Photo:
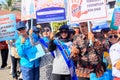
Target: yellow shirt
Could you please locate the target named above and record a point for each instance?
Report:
(107, 57)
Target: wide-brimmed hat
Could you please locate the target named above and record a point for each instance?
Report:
(64, 27)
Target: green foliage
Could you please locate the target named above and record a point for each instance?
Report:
(56, 25)
(9, 5)
(18, 0)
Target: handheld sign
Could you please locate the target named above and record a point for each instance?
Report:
(27, 9)
(40, 52)
(87, 10)
(50, 10)
(115, 23)
(8, 27)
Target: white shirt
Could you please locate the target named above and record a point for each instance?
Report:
(59, 64)
(115, 56)
(110, 1)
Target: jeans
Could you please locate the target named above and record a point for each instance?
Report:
(61, 77)
(30, 73)
(14, 61)
(4, 56)
(82, 78)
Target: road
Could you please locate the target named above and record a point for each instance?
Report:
(5, 73)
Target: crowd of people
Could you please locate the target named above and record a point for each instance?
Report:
(66, 53)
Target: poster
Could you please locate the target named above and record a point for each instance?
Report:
(115, 23)
(27, 9)
(50, 10)
(8, 27)
(40, 52)
(87, 10)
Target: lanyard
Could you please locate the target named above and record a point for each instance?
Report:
(44, 42)
(65, 52)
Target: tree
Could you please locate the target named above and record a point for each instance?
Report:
(9, 5)
(18, 0)
(56, 25)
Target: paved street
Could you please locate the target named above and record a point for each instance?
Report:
(5, 73)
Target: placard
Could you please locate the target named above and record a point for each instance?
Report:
(87, 10)
(8, 27)
(40, 52)
(50, 10)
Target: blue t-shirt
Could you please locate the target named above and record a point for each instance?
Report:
(23, 51)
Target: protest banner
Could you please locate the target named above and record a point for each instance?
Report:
(27, 9)
(50, 10)
(87, 10)
(115, 23)
(8, 27)
(115, 19)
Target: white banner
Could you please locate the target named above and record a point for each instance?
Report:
(27, 9)
(87, 10)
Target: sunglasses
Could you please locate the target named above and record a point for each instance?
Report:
(63, 31)
(45, 30)
(82, 26)
(113, 36)
(20, 29)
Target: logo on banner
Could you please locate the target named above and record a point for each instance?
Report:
(76, 8)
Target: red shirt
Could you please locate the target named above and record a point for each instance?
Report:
(3, 45)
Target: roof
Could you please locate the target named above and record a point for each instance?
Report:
(17, 13)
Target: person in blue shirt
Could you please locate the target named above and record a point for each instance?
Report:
(34, 35)
(30, 69)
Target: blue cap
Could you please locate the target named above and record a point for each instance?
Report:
(105, 29)
(20, 25)
(36, 29)
(72, 31)
(64, 27)
(76, 25)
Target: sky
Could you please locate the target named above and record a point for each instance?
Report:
(2, 1)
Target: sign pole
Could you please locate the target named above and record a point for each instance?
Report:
(32, 23)
(89, 30)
